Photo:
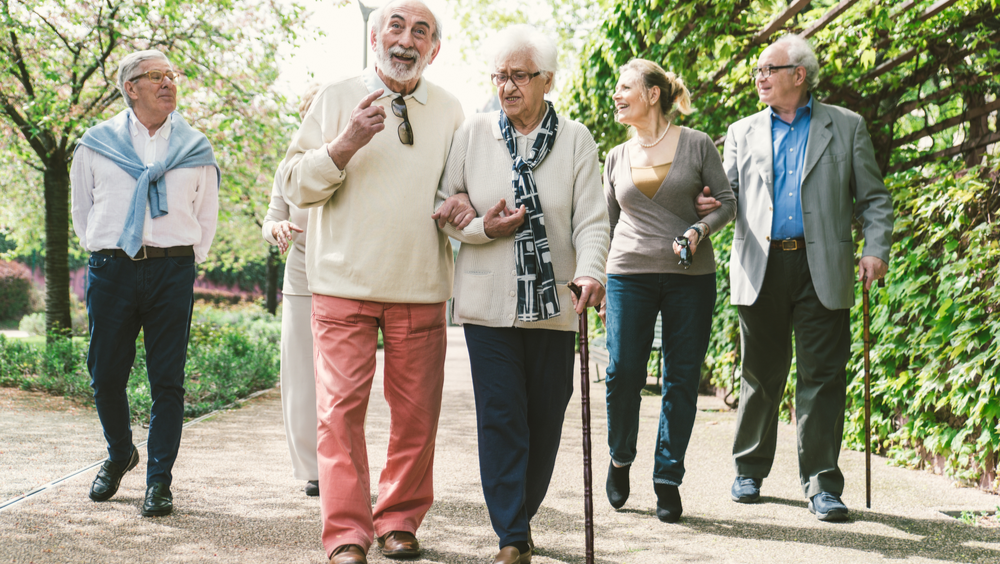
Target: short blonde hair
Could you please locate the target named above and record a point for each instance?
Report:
(307, 99)
(674, 95)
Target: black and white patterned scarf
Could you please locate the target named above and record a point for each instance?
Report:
(536, 282)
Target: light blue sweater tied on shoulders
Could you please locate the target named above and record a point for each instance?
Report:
(188, 148)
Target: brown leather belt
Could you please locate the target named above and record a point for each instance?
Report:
(789, 245)
(151, 252)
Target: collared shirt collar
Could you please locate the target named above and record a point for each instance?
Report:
(136, 127)
(373, 83)
(798, 113)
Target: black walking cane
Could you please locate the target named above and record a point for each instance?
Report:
(868, 395)
(588, 496)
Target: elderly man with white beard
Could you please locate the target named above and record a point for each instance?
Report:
(376, 259)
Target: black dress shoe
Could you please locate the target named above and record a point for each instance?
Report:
(110, 476)
(668, 503)
(159, 500)
(617, 486)
(312, 488)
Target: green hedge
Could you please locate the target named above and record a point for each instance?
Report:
(935, 328)
(15, 290)
(232, 353)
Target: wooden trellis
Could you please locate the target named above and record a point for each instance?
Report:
(908, 93)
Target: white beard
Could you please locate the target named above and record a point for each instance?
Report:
(400, 72)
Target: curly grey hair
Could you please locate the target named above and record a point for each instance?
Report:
(129, 66)
(801, 54)
(523, 38)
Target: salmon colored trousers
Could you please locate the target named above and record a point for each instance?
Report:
(345, 338)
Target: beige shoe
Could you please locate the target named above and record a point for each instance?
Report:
(510, 555)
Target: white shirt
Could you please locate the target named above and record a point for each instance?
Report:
(102, 191)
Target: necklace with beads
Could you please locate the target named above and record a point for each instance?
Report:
(654, 143)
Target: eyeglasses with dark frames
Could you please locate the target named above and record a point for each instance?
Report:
(405, 130)
(156, 76)
(765, 72)
(520, 78)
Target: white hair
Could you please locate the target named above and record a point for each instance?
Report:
(379, 14)
(129, 66)
(801, 54)
(526, 39)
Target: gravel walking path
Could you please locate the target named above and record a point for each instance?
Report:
(236, 501)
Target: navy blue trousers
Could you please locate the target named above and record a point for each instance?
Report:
(523, 381)
(124, 296)
(686, 304)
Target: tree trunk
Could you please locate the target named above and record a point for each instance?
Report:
(273, 263)
(58, 323)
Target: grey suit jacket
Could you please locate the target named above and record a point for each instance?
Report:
(840, 181)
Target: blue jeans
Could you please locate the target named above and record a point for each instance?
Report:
(124, 296)
(634, 301)
(523, 380)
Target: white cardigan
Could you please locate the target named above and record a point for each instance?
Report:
(576, 220)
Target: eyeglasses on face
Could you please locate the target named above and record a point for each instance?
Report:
(764, 72)
(156, 76)
(404, 131)
(520, 78)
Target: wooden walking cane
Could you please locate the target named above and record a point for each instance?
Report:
(588, 495)
(868, 395)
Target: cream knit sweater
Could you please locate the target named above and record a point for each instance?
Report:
(576, 220)
(370, 233)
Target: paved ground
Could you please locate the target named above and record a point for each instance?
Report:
(236, 500)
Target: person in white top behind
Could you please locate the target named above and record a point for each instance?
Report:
(145, 199)
(285, 226)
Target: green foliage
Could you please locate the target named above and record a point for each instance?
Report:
(916, 77)
(936, 386)
(231, 354)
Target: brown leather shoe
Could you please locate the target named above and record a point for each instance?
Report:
(399, 544)
(510, 555)
(349, 554)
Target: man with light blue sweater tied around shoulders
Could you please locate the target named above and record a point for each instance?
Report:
(145, 204)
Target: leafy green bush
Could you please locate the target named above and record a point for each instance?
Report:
(15, 290)
(231, 354)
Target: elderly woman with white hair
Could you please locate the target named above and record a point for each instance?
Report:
(511, 277)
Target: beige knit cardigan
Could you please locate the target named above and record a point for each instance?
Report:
(576, 220)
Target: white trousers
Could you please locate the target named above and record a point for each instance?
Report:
(298, 385)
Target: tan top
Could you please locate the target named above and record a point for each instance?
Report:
(576, 220)
(649, 178)
(371, 236)
(280, 210)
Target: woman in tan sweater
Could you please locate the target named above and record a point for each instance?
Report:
(536, 176)
(650, 183)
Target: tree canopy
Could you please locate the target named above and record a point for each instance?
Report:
(58, 78)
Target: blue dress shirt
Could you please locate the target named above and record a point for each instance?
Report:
(789, 158)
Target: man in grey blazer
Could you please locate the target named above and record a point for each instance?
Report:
(801, 171)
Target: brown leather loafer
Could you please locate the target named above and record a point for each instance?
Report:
(348, 554)
(510, 555)
(399, 544)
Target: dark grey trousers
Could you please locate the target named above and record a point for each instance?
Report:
(788, 301)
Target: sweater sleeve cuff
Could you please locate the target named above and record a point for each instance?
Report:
(320, 165)
(267, 231)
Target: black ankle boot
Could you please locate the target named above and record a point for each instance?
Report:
(617, 486)
(668, 503)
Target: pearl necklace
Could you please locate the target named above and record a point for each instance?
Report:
(654, 143)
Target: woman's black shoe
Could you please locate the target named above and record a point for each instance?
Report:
(617, 486)
(668, 503)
